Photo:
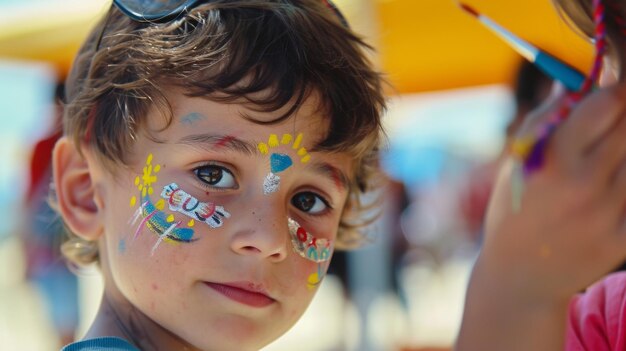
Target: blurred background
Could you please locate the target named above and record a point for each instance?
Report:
(456, 91)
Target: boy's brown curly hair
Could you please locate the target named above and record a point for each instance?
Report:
(227, 51)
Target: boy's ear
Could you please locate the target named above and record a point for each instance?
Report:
(75, 192)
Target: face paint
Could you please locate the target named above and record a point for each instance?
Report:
(337, 179)
(308, 246)
(152, 216)
(271, 183)
(223, 141)
(121, 246)
(280, 162)
(145, 181)
(156, 221)
(180, 201)
(163, 236)
(315, 279)
(191, 118)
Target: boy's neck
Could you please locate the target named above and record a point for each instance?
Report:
(117, 317)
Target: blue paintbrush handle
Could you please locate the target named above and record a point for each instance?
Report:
(569, 76)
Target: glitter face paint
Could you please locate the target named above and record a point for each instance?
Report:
(312, 249)
(180, 201)
(308, 246)
(271, 183)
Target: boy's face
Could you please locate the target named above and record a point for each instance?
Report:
(196, 233)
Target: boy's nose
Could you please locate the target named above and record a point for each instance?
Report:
(262, 236)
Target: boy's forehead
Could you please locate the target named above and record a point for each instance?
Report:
(205, 125)
(199, 115)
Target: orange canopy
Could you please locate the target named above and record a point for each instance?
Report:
(433, 44)
(422, 44)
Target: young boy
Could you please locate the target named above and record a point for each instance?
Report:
(215, 153)
(213, 159)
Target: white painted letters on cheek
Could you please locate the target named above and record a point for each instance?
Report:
(188, 205)
(164, 225)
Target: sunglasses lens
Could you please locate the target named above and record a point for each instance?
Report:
(151, 9)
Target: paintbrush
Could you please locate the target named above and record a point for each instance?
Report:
(553, 67)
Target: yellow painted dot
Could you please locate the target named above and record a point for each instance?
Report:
(286, 139)
(137, 180)
(149, 159)
(313, 281)
(170, 218)
(133, 201)
(305, 159)
(263, 148)
(273, 140)
(302, 151)
(157, 168)
(150, 191)
(191, 223)
(160, 205)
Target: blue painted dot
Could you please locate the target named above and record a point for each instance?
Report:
(121, 246)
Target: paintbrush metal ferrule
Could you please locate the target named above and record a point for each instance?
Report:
(524, 48)
(553, 67)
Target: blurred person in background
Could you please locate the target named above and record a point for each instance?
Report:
(42, 234)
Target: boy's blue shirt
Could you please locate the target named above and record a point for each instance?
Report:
(107, 343)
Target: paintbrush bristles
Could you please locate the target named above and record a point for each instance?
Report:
(469, 9)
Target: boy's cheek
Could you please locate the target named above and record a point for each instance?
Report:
(149, 204)
(306, 276)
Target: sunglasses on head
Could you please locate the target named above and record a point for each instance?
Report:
(161, 11)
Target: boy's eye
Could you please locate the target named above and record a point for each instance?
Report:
(216, 176)
(309, 202)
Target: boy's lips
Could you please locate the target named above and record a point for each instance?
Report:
(247, 293)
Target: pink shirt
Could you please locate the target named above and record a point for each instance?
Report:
(597, 319)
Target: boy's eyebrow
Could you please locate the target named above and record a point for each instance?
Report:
(333, 173)
(212, 141)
